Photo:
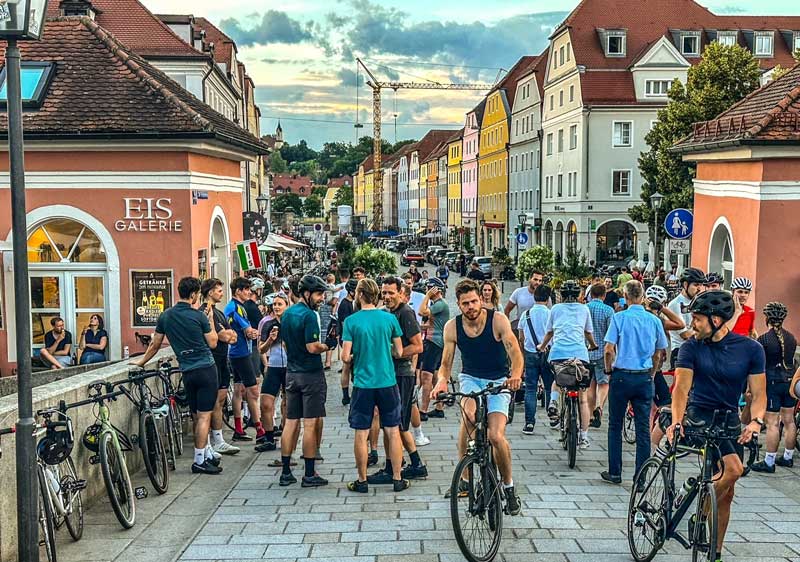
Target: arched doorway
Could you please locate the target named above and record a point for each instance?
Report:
(572, 236)
(720, 251)
(616, 242)
(548, 234)
(559, 242)
(220, 264)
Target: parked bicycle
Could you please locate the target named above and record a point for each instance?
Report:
(176, 411)
(152, 410)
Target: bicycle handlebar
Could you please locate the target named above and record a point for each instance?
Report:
(7, 430)
(490, 389)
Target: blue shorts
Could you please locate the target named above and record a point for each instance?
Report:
(498, 403)
(365, 400)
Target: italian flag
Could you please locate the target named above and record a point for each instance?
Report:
(249, 258)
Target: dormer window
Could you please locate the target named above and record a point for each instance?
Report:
(690, 44)
(727, 38)
(796, 41)
(35, 78)
(615, 44)
(71, 8)
(763, 43)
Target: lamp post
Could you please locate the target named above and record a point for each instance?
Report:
(20, 21)
(483, 235)
(655, 202)
(261, 204)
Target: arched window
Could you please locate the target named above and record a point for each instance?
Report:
(64, 241)
(720, 252)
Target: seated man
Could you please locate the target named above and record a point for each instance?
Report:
(57, 350)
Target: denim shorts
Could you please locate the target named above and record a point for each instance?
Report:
(598, 367)
(498, 403)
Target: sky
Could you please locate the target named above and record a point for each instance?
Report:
(302, 55)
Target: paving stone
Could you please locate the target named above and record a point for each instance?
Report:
(287, 550)
(389, 547)
(222, 552)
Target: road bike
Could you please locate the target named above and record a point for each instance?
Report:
(657, 506)
(477, 500)
(176, 412)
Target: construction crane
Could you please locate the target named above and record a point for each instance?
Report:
(377, 86)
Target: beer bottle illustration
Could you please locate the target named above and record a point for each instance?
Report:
(153, 300)
(144, 299)
(160, 301)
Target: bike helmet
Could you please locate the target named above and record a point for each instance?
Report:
(570, 290)
(775, 312)
(256, 284)
(91, 437)
(435, 282)
(714, 277)
(351, 286)
(313, 284)
(693, 275)
(742, 283)
(56, 445)
(713, 303)
(656, 293)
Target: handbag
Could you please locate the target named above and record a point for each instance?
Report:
(541, 356)
(570, 373)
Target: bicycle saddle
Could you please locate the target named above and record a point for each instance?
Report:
(694, 424)
(97, 384)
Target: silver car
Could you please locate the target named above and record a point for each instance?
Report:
(485, 263)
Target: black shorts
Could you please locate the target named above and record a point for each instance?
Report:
(223, 371)
(243, 372)
(258, 365)
(406, 386)
(726, 447)
(778, 396)
(431, 358)
(673, 357)
(365, 400)
(305, 395)
(274, 380)
(661, 394)
(201, 388)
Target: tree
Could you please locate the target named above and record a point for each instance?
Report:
(277, 164)
(574, 265)
(400, 144)
(288, 201)
(345, 251)
(344, 196)
(313, 206)
(724, 76)
(374, 261)
(538, 258)
(299, 152)
(320, 191)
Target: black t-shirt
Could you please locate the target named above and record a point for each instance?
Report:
(254, 315)
(300, 326)
(50, 339)
(94, 338)
(410, 328)
(612, 299)
(720, 369)
(186, 328)
(221, 351)
(345, 309)
(776, 361)
(475, 274)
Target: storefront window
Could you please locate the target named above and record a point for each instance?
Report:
(616, 241)
(64, 240)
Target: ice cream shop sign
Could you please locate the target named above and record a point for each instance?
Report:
(148, 214)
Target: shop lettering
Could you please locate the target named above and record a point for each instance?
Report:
(148, 214)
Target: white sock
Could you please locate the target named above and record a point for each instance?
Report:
(788, 454)
(769, 458)
(584, 435)
(216, 437)
(554, 396)
(199, 456)
(209, 451)
(509, 485)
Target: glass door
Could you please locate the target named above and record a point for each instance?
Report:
(47, 302)
(89, 292)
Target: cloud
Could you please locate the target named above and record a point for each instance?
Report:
(349, 77)
(730, 9)
(275, 27)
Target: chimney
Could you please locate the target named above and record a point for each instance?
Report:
(78, 8)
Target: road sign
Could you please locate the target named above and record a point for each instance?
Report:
(679, 247)
(318, 226)
(679, 223)
(522, 238)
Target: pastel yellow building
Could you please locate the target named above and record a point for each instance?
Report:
(454, 156)
(423, 195)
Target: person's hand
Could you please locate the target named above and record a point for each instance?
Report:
(513, 384)
(432, 292)
(137, 362)
(593, 347)
(671, 432)
(251, 333)
(540, 348)
(752, 428)
(331, 341)
(440, 387)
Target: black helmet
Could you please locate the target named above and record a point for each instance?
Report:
(713, 303)
(714, 277)
(775, 312)
(570, 290)
(91, 437)
(435, 282)
(693, 275)
(56, 445)
(313, 284)
(351, 285)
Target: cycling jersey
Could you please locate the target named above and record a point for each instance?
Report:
(236, 314)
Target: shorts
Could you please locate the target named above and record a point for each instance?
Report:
(727, 446)
(223, 371)
(274, 380)
(673, 357)
(661, 394)
(305, 395)
(778, 396)
(201, 388)
(598, 369)
(498, 403)
(365, 400)
(243, 372)
(406, 386)
(258, 365)
(431, 357)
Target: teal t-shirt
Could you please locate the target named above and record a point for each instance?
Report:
(440, 313)
(371, 333)
(299, 326)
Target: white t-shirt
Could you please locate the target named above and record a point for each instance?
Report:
(539, 315)
(675, 306)
(568, 321)
(523, 298)
(414, 302)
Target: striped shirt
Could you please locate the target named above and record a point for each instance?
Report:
(601, 320)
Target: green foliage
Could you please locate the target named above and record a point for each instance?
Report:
(468, 246)
(344, 196)
(312, 206)
(299, 152)
(277, 164)
(574, 265)
(345, 251)
(320, 191)
(724, 76)
(375, 261)
(288, 201)
(537, 258)
(400, 144)
(308, 168)
(500, 256)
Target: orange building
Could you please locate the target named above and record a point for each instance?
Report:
(132, 183)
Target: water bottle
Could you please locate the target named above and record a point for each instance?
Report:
(126, 352)
(685, 489)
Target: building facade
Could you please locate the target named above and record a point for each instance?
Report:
(469, 173)
(454, 221)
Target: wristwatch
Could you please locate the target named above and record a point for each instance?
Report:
(760, 422)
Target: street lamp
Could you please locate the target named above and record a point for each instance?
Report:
(655, 202)
(261, 204)
(482, 222)
(21, 21)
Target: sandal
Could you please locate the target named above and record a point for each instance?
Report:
(360, 487)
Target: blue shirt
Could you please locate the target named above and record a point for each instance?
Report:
(568, 321)
(601, 319)
(637, 335)
(371, 332)
(538, 315)
(236, 314)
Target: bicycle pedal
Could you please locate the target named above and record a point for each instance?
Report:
(78, 484)
(140, 492)
(94, 459)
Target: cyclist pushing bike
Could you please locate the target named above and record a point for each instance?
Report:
(711, 369)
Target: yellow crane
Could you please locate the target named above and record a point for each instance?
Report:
(377, 86)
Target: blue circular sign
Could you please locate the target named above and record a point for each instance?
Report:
(679, 223)
(522, 238)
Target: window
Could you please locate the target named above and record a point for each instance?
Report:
(561, 55)
(516, 126)
(690, 44)
(573, 137)
(560, 188)
(538, 156)
(657, 87)
(796, 42)
(621, 182)
(561, 140)
(561, 98)
(764, 44)
(569, 46)
(615, 45)
(552, 97)
(549, 144)
(572, 93)
(622, 133)
(727, 38)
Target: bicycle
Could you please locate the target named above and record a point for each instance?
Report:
(173, 421)
(629, 426)
(656, 508)
(480, 498)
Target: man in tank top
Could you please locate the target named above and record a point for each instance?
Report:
(487, 345)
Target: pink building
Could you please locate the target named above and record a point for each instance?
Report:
(469, 172)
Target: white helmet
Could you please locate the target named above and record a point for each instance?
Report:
(257, 283)
(656, 293)
(742, 283)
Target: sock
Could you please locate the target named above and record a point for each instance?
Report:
(554, 396)
(415, 460)
(259, 430)
(346, 392)
(270, 436)
(584, 434)
(769, 458)
(209, 452)
(417, 431)
(287, 469)
(788, 454)
(199, 456)
(309, 467)
(216, 437)
(237, 425)
(388, 467)
(509, 485)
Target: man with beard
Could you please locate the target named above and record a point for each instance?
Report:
(522, 298)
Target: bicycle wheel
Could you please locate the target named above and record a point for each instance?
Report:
(117, 481)
(73, 501)
(629, 428)
(704, 541)
(572, 432)
(562, 421)
(227, 409)
(177, 426)
(646, 511)
(477, 515)
(155, 459)
(168, 435)
(47, 527)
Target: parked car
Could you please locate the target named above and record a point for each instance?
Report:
(413, 256)
(450, 259)
(485, 263)
(429, 253)
(391, 246)
(438, 255)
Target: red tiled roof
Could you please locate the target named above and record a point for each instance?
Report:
(367, 163)
(224, 47)
(292, 183)
(137, 28)
(509, 81)
(340, 182)
(100, 87)
(770, 114)
(431, 141)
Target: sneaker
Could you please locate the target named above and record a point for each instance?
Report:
(584, 443)
(528, 429)
(226, 449)
(762, 466)
(513, 505)
(372, 459)
(781, 461)
(414, 472)
(552, 410)
(610, 478)
(278, 431)
(313, 481)
(216, 461)
(421, 440)
(381, 477)
(436, 414)
(205, 468)
(463, 489)
(554, 423)
(423, 416)
(241, 436)
(400, 485)
(287, 479)
(265, 446)
(596, 418)
(215, 454)
(358, 486)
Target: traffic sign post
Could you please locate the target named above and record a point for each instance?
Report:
(679, 224)
(680, 247)
(522, 239)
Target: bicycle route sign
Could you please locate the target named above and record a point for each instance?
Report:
(522, 238)
(679, 223)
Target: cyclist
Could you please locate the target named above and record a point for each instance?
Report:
(435, 307)
(532, 325)
(692, 282)
(275, 378)
(569, 327)
(744, 318)
(192, 339)
(601, 315)
(779, 348)
(487, 345)
(714, 281)
(711, 369)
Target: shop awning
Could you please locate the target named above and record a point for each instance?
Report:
(273, 244)
(494, 225)
(286, 241)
